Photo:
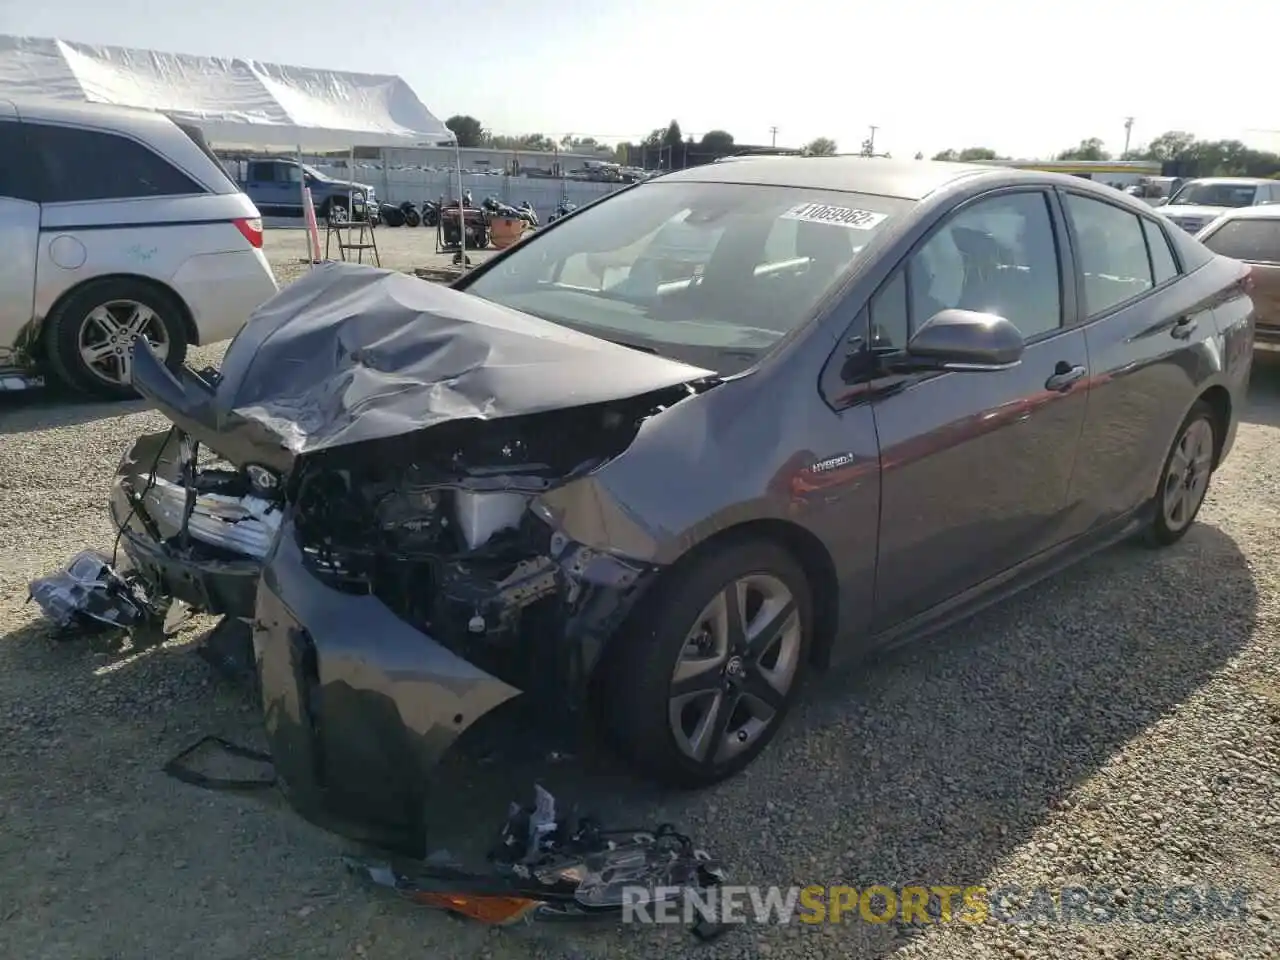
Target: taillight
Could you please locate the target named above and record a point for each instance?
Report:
(251, 229)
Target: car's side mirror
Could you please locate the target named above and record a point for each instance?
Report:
(965, 341)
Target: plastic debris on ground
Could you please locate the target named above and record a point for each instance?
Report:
(549, 868)
(91, 595)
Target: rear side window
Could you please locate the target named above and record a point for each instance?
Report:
(82, 165)
(1112, 253)
(1257, 240)
(1163, 266)
(19, 172)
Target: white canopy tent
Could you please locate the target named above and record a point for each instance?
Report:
(238, 104)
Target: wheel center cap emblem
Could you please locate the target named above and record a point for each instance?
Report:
(734, 667)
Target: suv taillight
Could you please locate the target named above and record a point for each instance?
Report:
(251, 230)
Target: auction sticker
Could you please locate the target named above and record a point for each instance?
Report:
(835, 216)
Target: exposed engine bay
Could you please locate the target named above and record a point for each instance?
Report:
(438, 527)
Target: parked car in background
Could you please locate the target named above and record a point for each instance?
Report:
(1155, 191)
(116, 225)
(275, 186)
(649, 464)
(1197, 202)
(1252, 235)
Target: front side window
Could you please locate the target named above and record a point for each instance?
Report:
(996, 256)
(1112, 253)
(1257, 240)
(707, 269)
(82, 165)
(1215, 195)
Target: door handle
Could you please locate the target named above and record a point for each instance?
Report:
(1064, 377)
(1184, 328)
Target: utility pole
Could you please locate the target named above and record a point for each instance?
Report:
(773, 136)
(869, 144)
(1128, 130)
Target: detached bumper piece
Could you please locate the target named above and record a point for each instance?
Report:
(550, 870)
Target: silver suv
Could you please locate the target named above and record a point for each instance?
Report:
(116, 224)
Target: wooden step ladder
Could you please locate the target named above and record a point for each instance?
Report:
(346, 238)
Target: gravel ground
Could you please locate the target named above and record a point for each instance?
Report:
(1117, 727)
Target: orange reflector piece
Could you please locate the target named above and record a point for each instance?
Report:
(497, 910)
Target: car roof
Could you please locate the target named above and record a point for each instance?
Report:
(1243, 181)
(876, 176)
(132, 119)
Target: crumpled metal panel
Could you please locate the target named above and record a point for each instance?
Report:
(352, 353)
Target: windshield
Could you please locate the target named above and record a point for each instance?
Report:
(713, 274)
(1210, 194)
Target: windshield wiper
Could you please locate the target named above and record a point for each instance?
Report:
(633, 346)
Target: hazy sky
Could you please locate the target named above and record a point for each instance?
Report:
(1024, 78)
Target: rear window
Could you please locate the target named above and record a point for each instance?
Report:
(1203, 194)
(1247, 239)
(196, 135)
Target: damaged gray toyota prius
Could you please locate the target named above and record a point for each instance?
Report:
(658, 458)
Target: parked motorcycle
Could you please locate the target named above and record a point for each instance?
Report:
(499, 209)
(391, 215)
(430, 213)
(562, 210)
(410, 213)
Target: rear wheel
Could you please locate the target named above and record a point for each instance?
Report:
(92, 334)
(701, 681)
(1185, 479)
(412, 218)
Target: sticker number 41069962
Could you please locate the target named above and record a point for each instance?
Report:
(835, 216)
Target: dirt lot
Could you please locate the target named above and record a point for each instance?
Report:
(1118, 727)
(399, 248)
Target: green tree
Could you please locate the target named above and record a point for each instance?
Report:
(1090, 149)
(467, 129)
(719, 142)
(977, 154)
(821, 147)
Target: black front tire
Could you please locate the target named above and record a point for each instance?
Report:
(635, 692)
(62, 333)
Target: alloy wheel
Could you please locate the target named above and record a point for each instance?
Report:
(735, 669)
(1187, 479)
(108, 335)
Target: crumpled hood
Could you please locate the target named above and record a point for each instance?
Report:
(351, 353)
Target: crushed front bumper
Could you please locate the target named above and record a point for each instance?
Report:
(359, 706)
(206, 580)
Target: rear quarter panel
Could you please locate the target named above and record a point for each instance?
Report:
(189, 244)
(1143, 382)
